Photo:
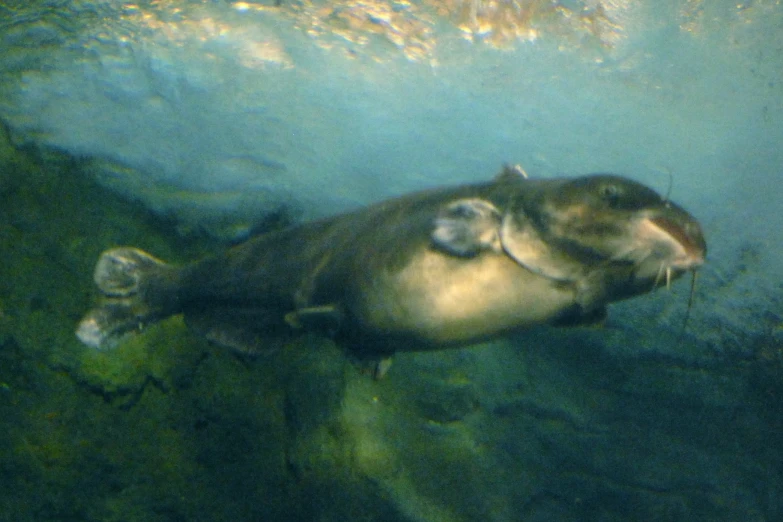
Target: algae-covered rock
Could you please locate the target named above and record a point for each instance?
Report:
(165, 356)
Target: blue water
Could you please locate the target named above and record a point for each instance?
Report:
(217, 114)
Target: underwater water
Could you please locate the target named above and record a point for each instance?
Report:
(181, 126)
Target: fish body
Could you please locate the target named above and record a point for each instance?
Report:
(434, 269)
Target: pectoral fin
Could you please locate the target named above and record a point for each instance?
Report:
(467, 226)
(326, 318)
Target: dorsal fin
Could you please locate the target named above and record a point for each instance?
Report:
(511, 173)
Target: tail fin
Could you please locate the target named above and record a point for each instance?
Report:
(130, 281)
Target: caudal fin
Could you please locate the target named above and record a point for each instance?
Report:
(131, 282)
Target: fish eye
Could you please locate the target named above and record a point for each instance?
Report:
(611, 194)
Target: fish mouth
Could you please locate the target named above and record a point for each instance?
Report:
(686, 244)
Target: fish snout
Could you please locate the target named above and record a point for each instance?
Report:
(688, 248)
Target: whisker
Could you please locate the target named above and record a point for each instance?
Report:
(668, 278)
(690, 302)
(659, 276)
(669, 188)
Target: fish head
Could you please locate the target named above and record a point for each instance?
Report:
(602, 222)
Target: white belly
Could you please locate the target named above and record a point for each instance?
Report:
(444, 299)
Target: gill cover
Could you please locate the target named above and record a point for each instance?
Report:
(523, 243)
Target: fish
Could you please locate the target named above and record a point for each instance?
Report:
(435, 269)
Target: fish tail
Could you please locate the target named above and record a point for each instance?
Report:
(136, 290)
